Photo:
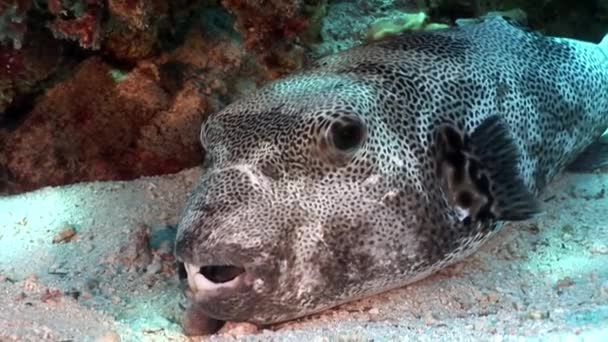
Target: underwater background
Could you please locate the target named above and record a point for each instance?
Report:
(101, 104)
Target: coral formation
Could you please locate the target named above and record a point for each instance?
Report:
(351, 23)
(134, 27)
(390, 26)
(84, 27)
(270, 29)
(22, 69)
(125, 43)
(401, 22)
(104, 123)
(82, 129)
(13, 16)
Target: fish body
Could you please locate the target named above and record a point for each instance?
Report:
(382, 164)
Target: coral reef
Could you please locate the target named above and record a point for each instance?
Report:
(401, 22)
(271, 29)
(125, 43)
(21, 70)
(134, 28)
(390, 26)
(351, 23)
(91, 22)
(82, 128)
(103, 123)
(84, 24)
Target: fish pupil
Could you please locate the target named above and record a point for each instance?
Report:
(347, 136)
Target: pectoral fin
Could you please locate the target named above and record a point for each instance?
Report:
(480, 175)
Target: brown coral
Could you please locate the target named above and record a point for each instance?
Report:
(86, 29)
(135, 28)
(86, 125)
(134, 13)
(22, 69)
(269, 29)
(10, 64)
(94, 126)
(106, 124)
(173, 130)
(125, 43)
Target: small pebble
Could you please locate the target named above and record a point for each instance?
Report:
(155, 266)
(57, 270)
(92, 284)
(513, 250)
(563, 283)
(85, 295)
(538, 315)
(428, 318)
(599, 248)
(66, 234)
(492, 297)
(374, 311)
(30, 283)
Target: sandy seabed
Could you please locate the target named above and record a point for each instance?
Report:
(542, 280)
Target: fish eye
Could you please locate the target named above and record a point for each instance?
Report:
(347, 134)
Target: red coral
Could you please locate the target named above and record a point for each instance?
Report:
(86, 29)
(269, 29)
(294, 27)
(136, 13)
(54, 6)
(22, 69)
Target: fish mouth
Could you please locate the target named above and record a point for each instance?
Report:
(222, 292)
(214, 278)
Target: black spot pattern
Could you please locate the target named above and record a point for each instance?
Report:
(317, 225)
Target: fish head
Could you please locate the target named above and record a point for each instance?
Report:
(299, 207)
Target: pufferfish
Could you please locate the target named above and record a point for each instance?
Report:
(382, 164)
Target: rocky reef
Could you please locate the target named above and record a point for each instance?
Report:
(117, 89)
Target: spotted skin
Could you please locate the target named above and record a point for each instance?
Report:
(316, 226)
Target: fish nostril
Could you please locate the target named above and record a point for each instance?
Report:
(221, 273)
